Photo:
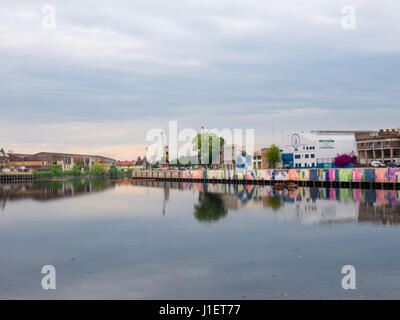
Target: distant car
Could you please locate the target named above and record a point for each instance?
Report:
(377, 164)
(393, 164)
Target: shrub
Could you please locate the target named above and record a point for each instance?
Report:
(344, 159)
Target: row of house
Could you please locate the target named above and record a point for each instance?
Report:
(134, 164)
(319, 148)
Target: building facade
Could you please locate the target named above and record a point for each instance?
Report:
(4, 159)
(383, 145)
(317, 149)
(257, 160)
(44, 160)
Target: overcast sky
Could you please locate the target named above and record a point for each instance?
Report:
(111, 70)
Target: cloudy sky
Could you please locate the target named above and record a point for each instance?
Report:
(112, 70)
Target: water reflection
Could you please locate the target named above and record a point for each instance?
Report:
(49, 190)
(211, 207)
(214, 201)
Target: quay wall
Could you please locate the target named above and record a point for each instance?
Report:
(13, 176)
(359, 176)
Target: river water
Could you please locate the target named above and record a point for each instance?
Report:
(159, 240)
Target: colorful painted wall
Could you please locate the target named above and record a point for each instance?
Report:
(339, 175)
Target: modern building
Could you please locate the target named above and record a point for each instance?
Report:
(317, 148)
(383, 145)
(43, 160)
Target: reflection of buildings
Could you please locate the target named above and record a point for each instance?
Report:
(305, 205)
(386, 214)
(165, 199)
(44, 191)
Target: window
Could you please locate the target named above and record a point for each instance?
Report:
(297, 156)
(312, 164)
(296, 149)
(312, 156)
(306, 156)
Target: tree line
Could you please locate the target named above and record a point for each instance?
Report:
(96, 171)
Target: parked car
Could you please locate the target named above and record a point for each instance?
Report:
(393, 164)
(377, 164)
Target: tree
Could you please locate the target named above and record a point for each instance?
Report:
(76, 170)
(211, 208)
(55, 170)
(79, 165)
(273, 156)
(274, 203)
(212, 154)
(113, 172)
(97, 170)
(344, 160)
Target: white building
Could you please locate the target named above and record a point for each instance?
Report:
(317, 148)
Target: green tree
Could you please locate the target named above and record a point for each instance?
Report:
(274, 203)
(86, 170)
(213, 153)
(76, 170)
(113, 173)
(98, 170)
(155, 165)
(55, 170)
(79, 165)
(211, 208)
(273, 156)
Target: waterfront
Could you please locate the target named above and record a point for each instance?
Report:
(162, 240)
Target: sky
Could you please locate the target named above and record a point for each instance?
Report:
(111, 71)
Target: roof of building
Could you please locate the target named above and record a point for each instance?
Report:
(125, 163)
(20, 155)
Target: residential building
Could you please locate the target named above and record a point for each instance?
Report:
(317, 148)
(260, 160)
(383, 145)
(264, 160)
(141, 162)
(124, 165)
(257, 160)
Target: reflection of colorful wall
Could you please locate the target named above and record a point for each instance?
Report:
(382, 197)
(339, 175)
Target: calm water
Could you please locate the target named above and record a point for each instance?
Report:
(151, 240)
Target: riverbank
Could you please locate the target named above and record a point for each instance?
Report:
(363, 178)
